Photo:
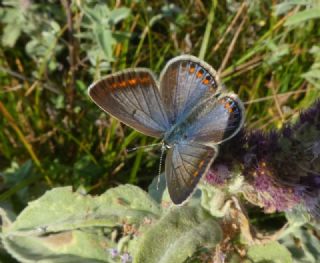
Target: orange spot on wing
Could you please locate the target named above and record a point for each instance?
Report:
(201, 164)
(191, 69)
(205, 82)
(196, 173)
(132, 82)
(145, 80)
(199, 74)
(122, 84)
(228, 107)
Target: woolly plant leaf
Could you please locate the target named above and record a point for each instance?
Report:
(105, 40)
(61, 209)
(69, 246)
(177, 236)
(304, 245)
(272, 252)
(297, 216)
(302, 16)
(67, 226)
(118, 14)
(214, 200)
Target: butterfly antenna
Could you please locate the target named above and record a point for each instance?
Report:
(163, 148)
(150, 146)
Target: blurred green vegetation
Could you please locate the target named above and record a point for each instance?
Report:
(51, 134)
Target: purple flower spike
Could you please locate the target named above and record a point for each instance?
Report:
(287, 131)
(272, 195)
(218, 175)
(281, 168)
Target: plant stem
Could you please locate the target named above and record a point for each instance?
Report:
(204, 45)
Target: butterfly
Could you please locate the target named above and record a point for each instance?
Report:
(188, 109)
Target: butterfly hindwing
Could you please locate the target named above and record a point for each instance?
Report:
(132, 96)
(185, 165)
(216, 119)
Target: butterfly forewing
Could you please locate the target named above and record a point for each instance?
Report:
(184, 82)
(132, 96)
(216, 119)
(185, 165)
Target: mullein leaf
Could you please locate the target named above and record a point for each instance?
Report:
(67, 226)
(177, 235)
(62, 209)
(272, 252)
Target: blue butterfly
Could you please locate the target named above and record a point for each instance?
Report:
(189, 110)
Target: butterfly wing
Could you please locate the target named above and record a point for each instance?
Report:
(193, 97)
(132, 96)
(184, 82)
(216, 119)
(185, 165)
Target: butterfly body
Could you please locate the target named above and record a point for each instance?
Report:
(184, 128)
(191, 113)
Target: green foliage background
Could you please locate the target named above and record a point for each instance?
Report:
(51, 134)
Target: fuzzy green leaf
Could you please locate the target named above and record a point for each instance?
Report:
(214, 200)
(298, 216)
(177, 235)
(304, 245)
(10, 35)
(303, 16)
(67, 226)
(119, 14)
(105, 40)
(285, 6)
(69, 246)
(272, 252)
(61, 209)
